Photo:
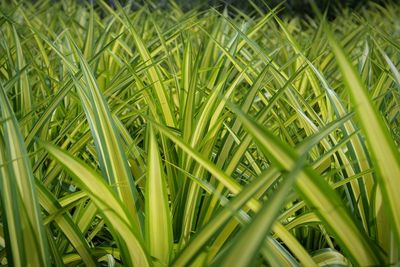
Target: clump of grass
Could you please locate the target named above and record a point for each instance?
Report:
(157, 138)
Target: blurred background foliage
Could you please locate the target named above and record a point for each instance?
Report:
(289, 7)
(299, 8)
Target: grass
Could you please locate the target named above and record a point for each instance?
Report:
(154, 137)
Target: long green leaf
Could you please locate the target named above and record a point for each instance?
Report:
(27, 242)
(158, 215)
(386, 156)
(318, 194)
(110, 206)
(112, 158)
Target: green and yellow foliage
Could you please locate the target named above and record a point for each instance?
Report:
(157, 137)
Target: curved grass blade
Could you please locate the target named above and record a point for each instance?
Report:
(318, 194)
(66, 224)
(118, 218)
(112, 158)
(385, 154)
(27, 242)
(249, 241)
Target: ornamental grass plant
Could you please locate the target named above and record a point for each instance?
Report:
(157, 137)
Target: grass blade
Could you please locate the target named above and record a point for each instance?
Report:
(112, 158)
(385, 154)
(23, 219)
(318, 194)
(111, 208)
(158, 214)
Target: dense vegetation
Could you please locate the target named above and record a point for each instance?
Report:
(142, 137)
